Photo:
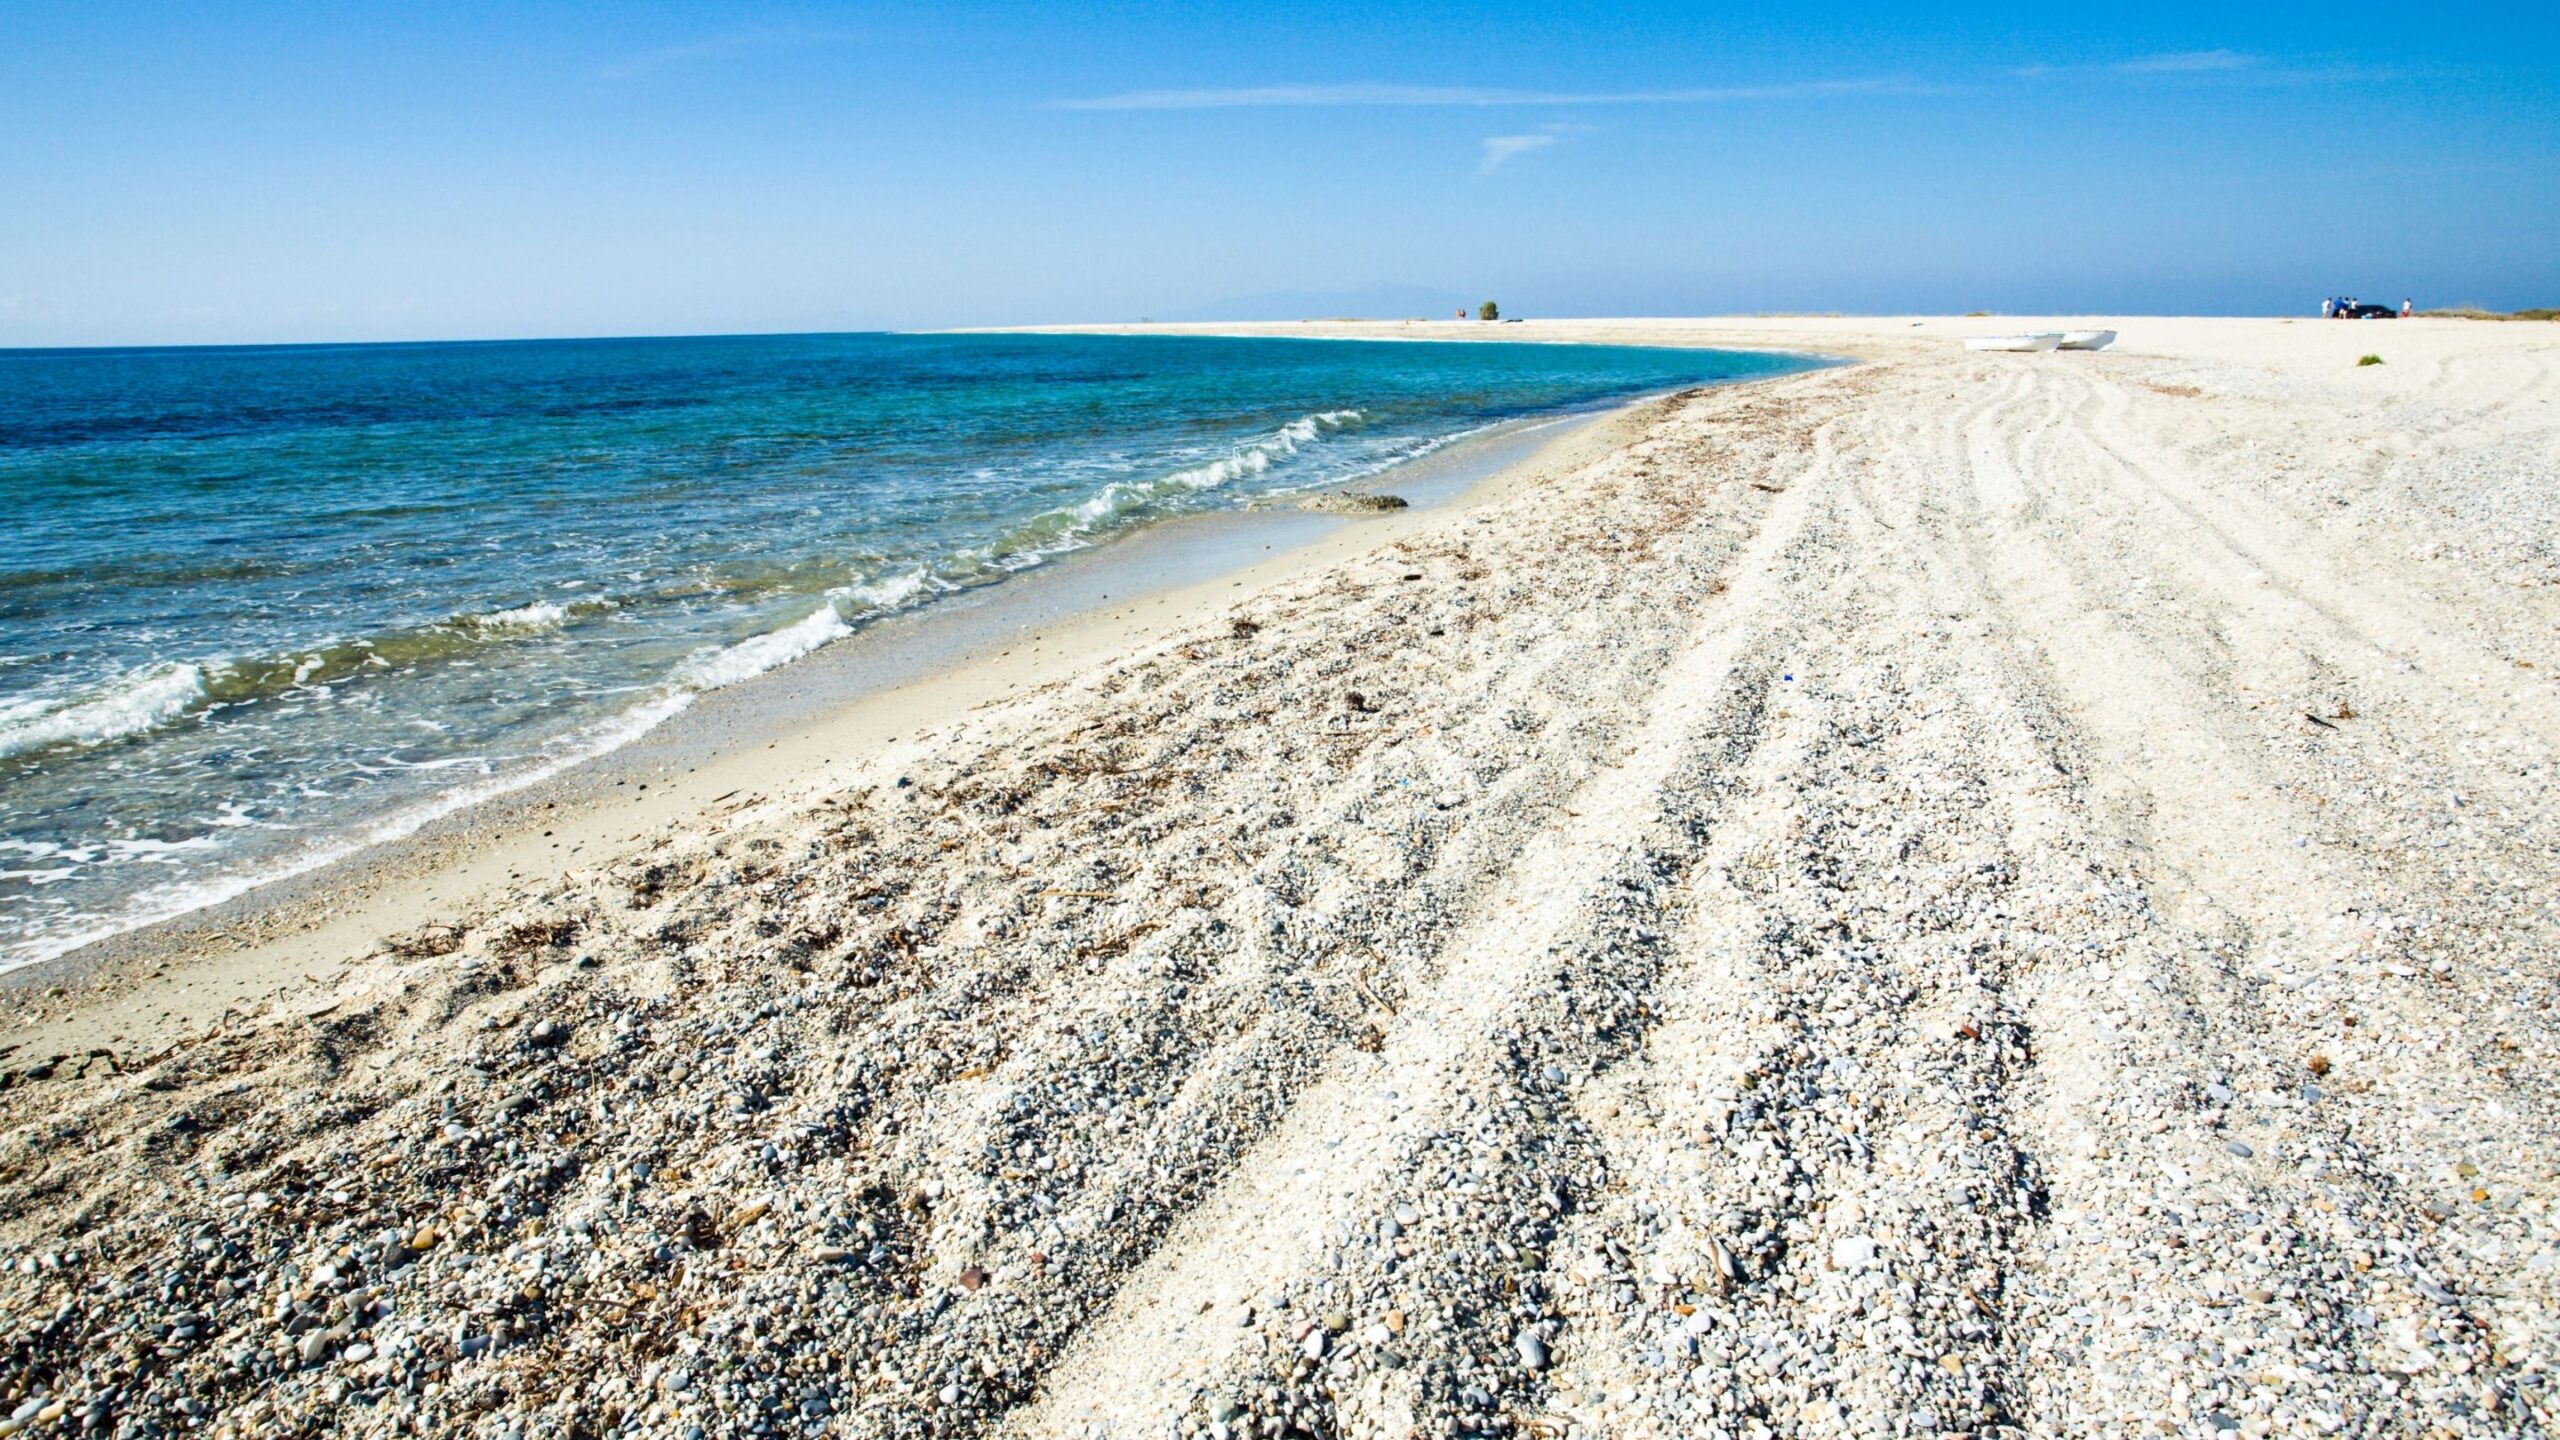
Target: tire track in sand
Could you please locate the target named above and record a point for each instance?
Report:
(1152, 1353)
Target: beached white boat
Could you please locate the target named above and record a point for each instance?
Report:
(2044, 340)
(2087, 339)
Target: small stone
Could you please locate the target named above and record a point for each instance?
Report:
(2240, 1149)
(1314, 1345)
(1853, 1253)
(1533, 1350)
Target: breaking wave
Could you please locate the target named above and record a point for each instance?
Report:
(757, 654)
(1074, 526)
(137, 701)
(896, 592)
(540, 615)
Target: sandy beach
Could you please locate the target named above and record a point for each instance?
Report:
(1956, 894)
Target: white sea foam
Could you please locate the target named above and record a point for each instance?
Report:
(756, 655)
(707, 671)
(540, 615)
(163, 902)
(138, 700)
(1254, 457)
(892, 592)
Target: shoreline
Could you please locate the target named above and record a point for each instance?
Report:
(895, 680)
(89, 904)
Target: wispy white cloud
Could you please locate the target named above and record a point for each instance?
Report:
(1371, 96)
(1498, 148)
(716, 47)
(2230, 66)
(1346, 96)
(2186, 62)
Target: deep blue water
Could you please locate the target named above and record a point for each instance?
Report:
(258, 604)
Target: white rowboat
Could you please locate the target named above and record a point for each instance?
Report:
(2088, 339)
(2048, 340)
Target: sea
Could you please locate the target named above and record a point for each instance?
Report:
(262, 606)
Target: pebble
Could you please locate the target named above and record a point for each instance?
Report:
(1853, 1252)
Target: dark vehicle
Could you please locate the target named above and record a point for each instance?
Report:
(2353, 309)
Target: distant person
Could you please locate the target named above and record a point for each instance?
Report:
(2329, 308)
(2408, 308)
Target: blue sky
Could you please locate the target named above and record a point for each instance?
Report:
(250, 172)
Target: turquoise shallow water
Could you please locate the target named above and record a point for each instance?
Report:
(260, 605)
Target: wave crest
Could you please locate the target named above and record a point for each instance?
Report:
(1070, 527)
(138, 700)
(758, 653)
(540, 615)
(896, 592)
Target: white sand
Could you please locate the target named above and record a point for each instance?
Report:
(1959, 893)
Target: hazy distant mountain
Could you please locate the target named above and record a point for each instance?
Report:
(1377, 302)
